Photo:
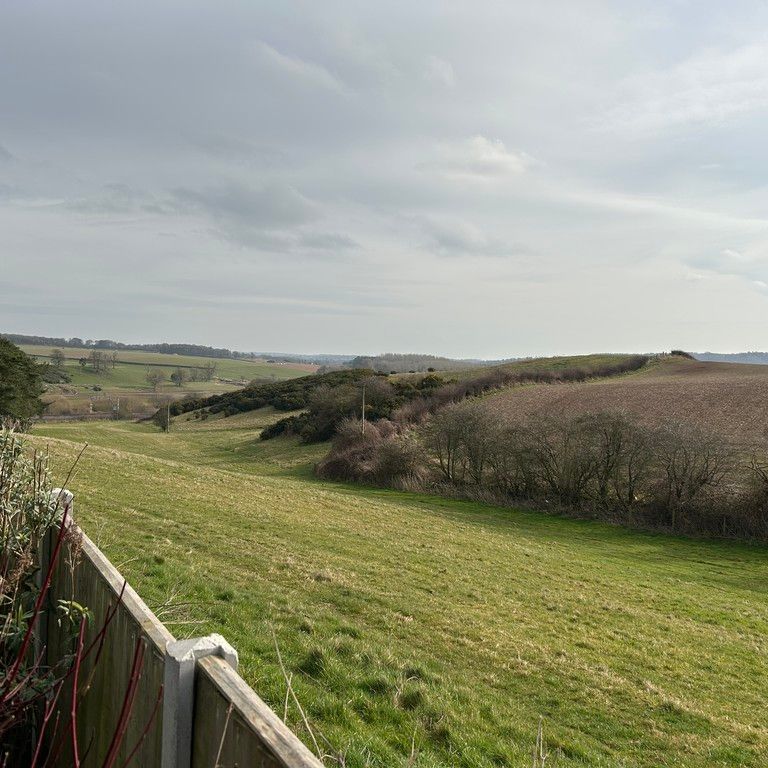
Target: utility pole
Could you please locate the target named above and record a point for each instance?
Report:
(362, 428)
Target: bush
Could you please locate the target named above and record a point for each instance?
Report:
(26, 516)
(20, 383)
(401, 462)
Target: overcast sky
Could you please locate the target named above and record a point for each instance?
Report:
(479, 179)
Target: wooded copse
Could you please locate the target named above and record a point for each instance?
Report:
(21, 383)
(602, 465)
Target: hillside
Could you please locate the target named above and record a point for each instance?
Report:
(730, 398)
(419, 364)
(413, 363)
(427, 631)
(90, 391)
(132, 365)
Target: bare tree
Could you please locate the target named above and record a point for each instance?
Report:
(690, 462)
(154, 377)
(97, 360)
(209, 370)
(178, 377)
(57, 358)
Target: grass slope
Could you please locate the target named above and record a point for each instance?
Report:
(428, 632)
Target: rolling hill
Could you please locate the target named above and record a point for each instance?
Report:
(728, 398)
(88, 392)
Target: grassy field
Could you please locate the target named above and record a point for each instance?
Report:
(729, 398)
(427, 632)
(131, 368)
(128, 378)
(559, 363)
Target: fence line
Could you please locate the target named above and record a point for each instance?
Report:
(207, 712)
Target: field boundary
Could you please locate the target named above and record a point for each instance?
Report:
(190, 706)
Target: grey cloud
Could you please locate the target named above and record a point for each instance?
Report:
(478, 157)
(232, 148)
(328, 241)
(260, 217)
(273, 206)
(308, 72)
(750, 265)
(709, 86)
(115, 198)
(456, 237)
(439, 71)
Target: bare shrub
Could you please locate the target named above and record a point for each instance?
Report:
(691, 463)
(603, 464)
(401, 462)
(622, 461)
(353, 455)
(445, 436)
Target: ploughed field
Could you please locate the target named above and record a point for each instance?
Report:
(728, 398)
(427, 632)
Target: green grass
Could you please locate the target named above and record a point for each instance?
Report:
(448, 628)
(558, 363)
(130, 372)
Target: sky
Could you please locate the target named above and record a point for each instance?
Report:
(472, 179)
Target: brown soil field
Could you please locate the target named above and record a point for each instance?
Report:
(728, 398)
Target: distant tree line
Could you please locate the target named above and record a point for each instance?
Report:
(605, 466)
(193, 350)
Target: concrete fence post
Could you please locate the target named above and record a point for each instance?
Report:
(179, 693)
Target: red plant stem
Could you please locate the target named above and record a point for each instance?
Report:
(50, 706)
(122, 722)
(46, 716)
(100, 637)
(146, 728)
(73, 708)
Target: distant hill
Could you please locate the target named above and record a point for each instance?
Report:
(751, 358)
(414, 363)
(315, 359)
(195, 350)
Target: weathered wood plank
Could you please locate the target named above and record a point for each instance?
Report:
(251, 735)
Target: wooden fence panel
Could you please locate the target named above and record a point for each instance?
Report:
(232, 724)
(105, 674)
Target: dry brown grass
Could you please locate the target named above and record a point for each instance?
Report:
(728, 398)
